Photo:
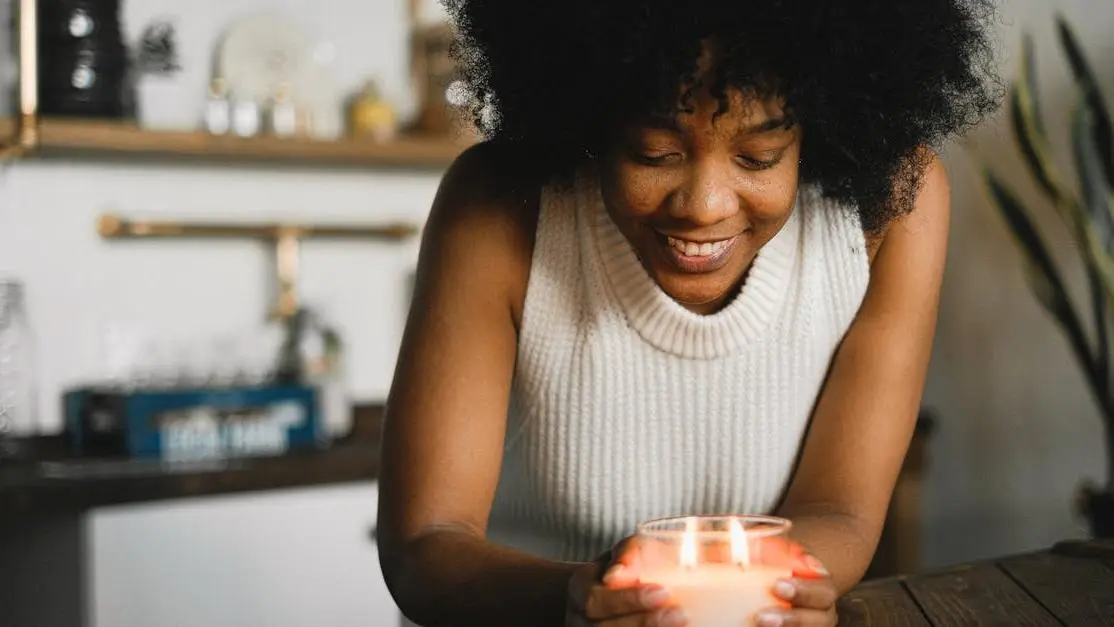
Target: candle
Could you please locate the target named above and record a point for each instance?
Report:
(712, 566)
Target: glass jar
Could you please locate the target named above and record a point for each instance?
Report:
(18, 389)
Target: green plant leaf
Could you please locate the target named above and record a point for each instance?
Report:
(1027, 77)
(1034, 146)
(1097, 203)
(1085, 78)
(1028, 127)
(1095, 256)
(1097, 196)
(1040, 271)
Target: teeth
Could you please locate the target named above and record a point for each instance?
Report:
(694, 249)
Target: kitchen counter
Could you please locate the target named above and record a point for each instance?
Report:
(52, 480)
(44, 501)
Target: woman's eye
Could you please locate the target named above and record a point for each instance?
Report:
(657, 158)
(758, 164)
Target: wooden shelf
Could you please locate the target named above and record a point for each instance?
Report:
(62, 136)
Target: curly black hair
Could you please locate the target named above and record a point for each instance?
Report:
(872, 82)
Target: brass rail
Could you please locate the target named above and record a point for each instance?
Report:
(286, 239)
(26, 136)
(113, 226)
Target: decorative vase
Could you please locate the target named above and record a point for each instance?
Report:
(167, 103)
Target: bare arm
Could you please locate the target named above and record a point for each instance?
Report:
(865, 415)
(446, 413)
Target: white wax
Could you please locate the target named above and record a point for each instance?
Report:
(720, 595)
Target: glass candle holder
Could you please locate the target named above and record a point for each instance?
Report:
(720, 570)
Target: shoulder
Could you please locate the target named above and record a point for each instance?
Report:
(483, 220)
(931, 211)
(487, 187)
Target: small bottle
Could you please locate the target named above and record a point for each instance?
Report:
(18, 388)
(218, 110)
(245, 117)
(283, 113)
(370, 116)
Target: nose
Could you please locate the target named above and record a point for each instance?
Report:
(706, 198)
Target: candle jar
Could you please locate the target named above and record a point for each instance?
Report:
(720, 570)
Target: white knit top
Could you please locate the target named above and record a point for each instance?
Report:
(626, 406)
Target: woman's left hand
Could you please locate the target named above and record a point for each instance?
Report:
(809, 594)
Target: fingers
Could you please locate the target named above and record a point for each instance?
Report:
(810, 568)
(627, 554)
(620, 597)
(634, 606)
(778, 551)
(603, 603)
(785, 553)
(608, 593)
(796, 618)
(813, 604)
(807, 594)
(619, 577)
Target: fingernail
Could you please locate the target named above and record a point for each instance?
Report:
(653, 597)
(673, 617)
(785, 589)
(614, 572)
(770, 619)
(816, 565)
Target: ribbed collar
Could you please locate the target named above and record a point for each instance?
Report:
(665, 323)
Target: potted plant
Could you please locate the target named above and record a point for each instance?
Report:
(163, 100)
(1089, 216)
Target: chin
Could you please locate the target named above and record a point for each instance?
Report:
(695, 293)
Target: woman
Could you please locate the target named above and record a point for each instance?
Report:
(695, 269)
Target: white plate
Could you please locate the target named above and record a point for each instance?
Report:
(264, 50)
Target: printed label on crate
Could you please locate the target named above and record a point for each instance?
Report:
(208, 432)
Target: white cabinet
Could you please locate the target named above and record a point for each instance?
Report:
(286, 558)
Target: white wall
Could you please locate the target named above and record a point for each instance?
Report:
(1018, 428)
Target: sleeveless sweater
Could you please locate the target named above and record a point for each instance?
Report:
(625, 406)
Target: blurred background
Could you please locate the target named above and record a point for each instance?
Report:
(208, 228)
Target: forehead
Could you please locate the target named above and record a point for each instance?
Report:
(705, 103)
(733, 111)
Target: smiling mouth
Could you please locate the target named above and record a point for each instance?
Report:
(697, 257)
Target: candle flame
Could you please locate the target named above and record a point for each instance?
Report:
(740, 547)
(688, 544)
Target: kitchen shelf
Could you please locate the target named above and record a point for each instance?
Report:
(107, 139)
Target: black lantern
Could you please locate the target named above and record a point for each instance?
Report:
(83, 63)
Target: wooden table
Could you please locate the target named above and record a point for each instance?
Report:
(1071, 584)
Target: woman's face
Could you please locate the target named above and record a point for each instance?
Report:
(698, 195)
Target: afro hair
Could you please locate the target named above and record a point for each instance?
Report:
(871, 82)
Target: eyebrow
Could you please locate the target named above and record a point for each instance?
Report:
(769, 124)
(668, 123)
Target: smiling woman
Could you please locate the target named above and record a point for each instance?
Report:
(694, 270)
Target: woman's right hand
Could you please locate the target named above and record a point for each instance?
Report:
(607, 593)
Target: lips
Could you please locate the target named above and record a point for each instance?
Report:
(696, 257)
